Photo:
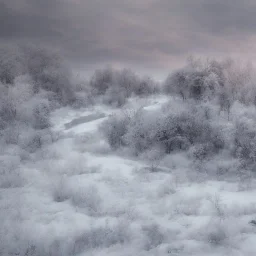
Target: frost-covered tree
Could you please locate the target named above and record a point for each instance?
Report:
(11, 64)
(102, 80)
(114, 130)
(197, 80)
(50, 73)
(245, 141)
(225, 101)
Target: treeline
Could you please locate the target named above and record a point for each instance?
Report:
(216, 101)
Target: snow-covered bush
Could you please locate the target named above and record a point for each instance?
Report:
(245, 142)
(146, 86)
(114, 130)
(166, 130)
(115, 96)
(102, 237)
(8, 106)
(102, 80)
(84, 95)
(10, 172)
(175, 132)
(141, 131)
(154, 236)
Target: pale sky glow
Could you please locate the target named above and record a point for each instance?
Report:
(147, 35)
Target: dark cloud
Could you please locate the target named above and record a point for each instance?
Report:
(154, 34)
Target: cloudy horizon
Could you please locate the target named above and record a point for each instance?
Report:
(147, 35)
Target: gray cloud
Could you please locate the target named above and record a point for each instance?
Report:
(152, 34)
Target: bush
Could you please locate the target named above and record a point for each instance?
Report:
(10, 172)
(153, 236)
(114, 130)
(8, 109)
(102, 237)
(115, 96)
(102, 80)
(245, 142)
(41, 113)
(126, 80)
(176, 132)
(141, 131)
(146, 86)
(170, 131)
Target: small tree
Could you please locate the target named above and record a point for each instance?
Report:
(49, 73)
(41, 114)
(102, 80)
(225, 102)
(114, 130)
(11, 64)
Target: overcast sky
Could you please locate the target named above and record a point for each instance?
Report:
(148, 35)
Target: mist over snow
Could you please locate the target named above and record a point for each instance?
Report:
(127, 128)
(121, 164)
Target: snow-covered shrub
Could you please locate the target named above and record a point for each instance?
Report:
(11, 134)
(154, 236)
(126, 80)
(166, 131)
(102, 80)
(22, 112)
(217, 235)
(31, 140)
(245, 141)
(115, 96)
(85, 96)
(146, 86)
(41, 113)
(141, 131)
(114, 130)
(172, 132)
(10, 172)
(8, 107)
(102, 237)
(88, 199)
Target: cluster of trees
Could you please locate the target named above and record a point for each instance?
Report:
(116, 86)
(224, 81)
(198, 130)
(205, 91)
(35, 81)
(44, 68)
(165, 130)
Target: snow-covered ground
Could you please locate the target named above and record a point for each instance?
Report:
(78, 197)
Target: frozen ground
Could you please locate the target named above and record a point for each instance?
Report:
(77, 197)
